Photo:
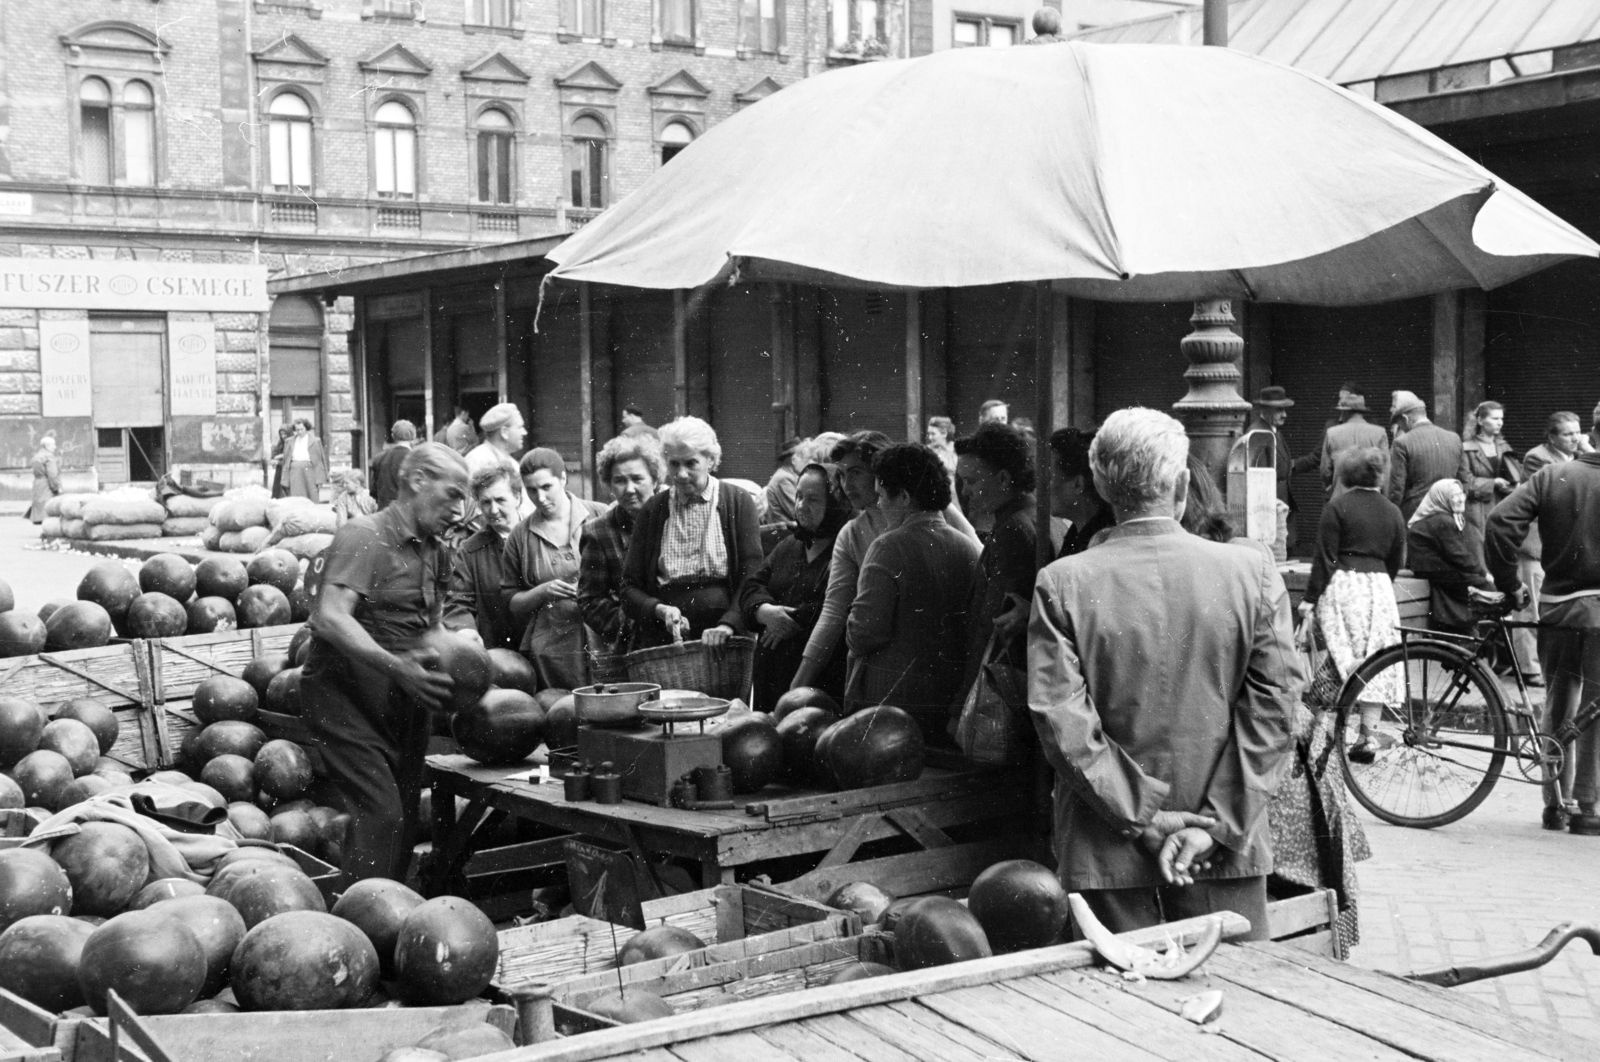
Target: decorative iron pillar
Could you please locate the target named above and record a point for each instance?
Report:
(1212, 411)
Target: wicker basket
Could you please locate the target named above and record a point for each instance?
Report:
(691, 666)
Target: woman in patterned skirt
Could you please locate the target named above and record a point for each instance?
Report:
(1361, 547)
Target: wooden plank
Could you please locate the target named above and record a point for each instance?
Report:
(1297, 914)
(913, 872)
(1252, 1027)
(33, 1024)
(856, 1038)
(293, 1036)
(933, 785)
(1085, 996)
(730, 913)
(773, 1010)
(1030, 1028)
(801, 1041)
(1460, 1008)
(1409, 1028)
(928, 1035)
(738, 1047)
(525, 855)
(1005, 807)
(918, 828)
(72, 668)
(845, 848)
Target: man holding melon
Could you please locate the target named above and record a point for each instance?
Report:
(1162, 674)
(367, 699)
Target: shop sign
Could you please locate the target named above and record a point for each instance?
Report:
(64, 360)
(192, 368)
(71, 284)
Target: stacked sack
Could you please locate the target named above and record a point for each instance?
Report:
(55, 519)
(188, 515)
(301, 526)
(131, 512)
(238, 523)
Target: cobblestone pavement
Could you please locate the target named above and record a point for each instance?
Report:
(1488, 885)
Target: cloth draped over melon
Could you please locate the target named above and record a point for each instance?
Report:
(173, 853)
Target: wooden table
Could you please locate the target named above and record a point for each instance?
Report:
(775, 823)
(1279, 1005)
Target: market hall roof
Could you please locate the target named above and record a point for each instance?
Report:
(405, 273)
(1394, 49)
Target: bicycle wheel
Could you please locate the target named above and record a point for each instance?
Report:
(1440, 740)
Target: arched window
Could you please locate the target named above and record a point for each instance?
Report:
(289, 143)
(395, 150)
(94, 118)
(139, 133)
(587, 163)
(675, 136)
(495, 141)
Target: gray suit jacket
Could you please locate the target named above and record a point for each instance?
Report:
(1162, 672)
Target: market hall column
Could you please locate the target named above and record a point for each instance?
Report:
(1213, 412)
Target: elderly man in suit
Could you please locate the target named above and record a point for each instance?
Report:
(1423, 455)
(1162, 674)
(1352, 432)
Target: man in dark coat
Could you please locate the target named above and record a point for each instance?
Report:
(475, 602)
(1563, 500)
(1421, 457)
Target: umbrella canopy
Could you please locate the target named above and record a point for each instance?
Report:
(1128, 172)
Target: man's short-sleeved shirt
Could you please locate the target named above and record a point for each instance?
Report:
(401, 575)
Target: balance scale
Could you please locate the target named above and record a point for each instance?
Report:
(652, 756)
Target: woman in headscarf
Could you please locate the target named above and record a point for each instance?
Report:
(1437, 543)
(784, 597)
(1361, 546)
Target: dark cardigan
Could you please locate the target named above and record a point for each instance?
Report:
(641, 576)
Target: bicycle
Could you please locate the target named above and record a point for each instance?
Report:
(1439, 750)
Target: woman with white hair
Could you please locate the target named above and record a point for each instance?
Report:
(504, 432)
(692, 546)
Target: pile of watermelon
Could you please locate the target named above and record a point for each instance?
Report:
(81, 918)
(164, 597)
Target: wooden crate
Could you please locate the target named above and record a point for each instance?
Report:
(290, 1035)
(25, 1027)
(1411, 595)
(568, 948)
(178, 665)
(118, 676)
(725, 973)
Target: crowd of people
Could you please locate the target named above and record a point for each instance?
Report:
(904, 573)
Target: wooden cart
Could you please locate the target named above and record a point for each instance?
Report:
(1280, 1004)
(774, 824)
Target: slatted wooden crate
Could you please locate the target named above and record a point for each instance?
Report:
(728, 973)
(568, 948)
(266, 1036)
(178, 665)
(118, 676)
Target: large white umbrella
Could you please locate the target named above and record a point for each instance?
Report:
(1130, 172)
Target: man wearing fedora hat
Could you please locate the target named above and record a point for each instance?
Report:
(1271, 410)
(1352, 431)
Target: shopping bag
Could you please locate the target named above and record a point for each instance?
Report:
(994, 729)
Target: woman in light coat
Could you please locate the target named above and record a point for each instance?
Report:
(1484, 472)
(304, 466)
